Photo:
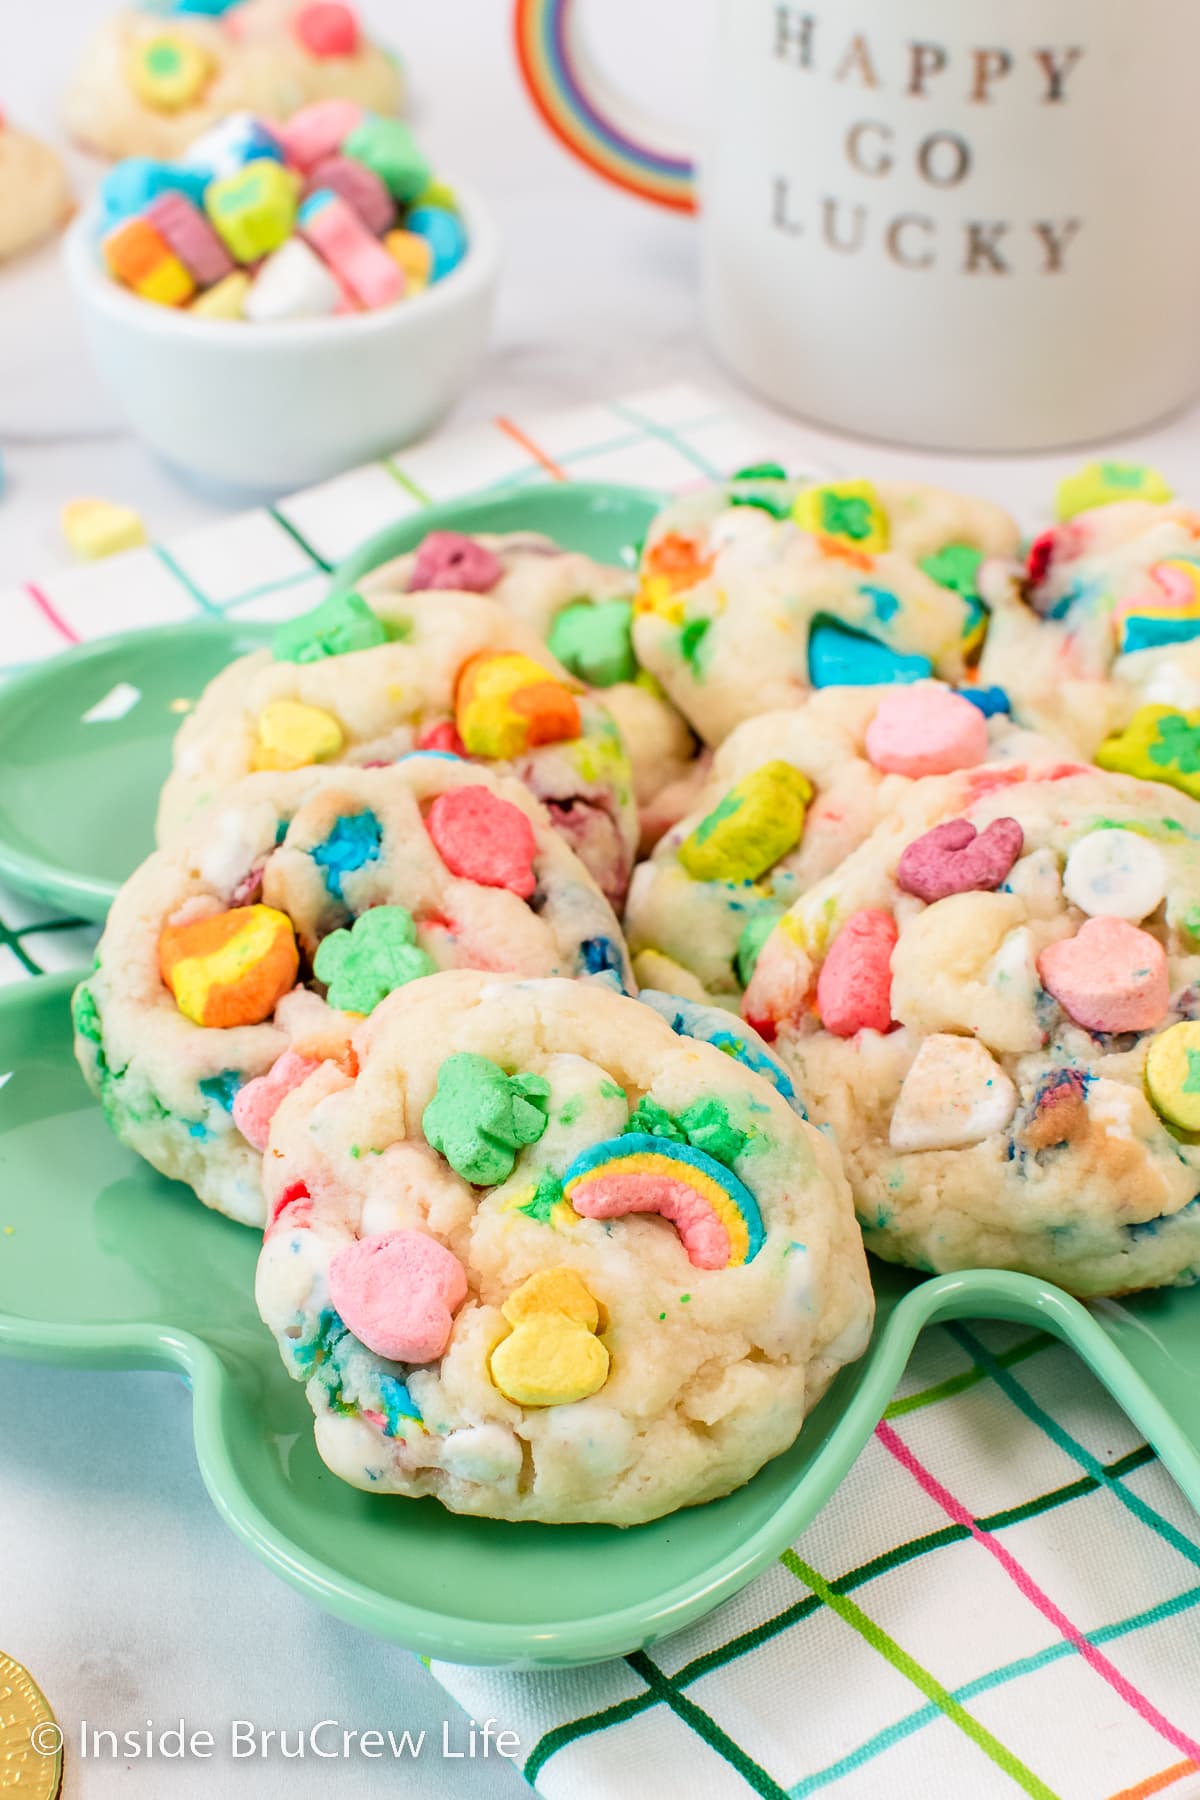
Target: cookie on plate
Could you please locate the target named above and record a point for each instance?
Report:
(583, 611)
(230, 960)
(1102, 618)
(755, 592)
(354, 684)
(993, 1004)
(545, 1258)
(35, 200)
(789, 796)
(155, 76)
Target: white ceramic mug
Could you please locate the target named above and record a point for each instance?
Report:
(957, 223)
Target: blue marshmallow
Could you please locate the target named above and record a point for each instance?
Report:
(229, 146)
(133, 185)
(445, 234)
(839, 657)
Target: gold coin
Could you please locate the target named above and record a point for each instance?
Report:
(30, 1740)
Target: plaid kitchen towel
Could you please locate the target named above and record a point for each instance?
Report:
(1004, 1594)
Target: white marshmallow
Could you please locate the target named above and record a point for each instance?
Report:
(293, 283)
(1115, 874)
(955, 1094)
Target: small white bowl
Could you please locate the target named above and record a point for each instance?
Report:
(264, 408)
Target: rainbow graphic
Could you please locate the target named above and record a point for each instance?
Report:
(715, 1214)
(570, 99)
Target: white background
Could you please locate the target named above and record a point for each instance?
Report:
(119, 1586)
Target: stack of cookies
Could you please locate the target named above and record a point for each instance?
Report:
(570, 967)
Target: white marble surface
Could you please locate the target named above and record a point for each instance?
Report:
(118, 1584)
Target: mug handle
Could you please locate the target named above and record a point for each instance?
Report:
(597, 124)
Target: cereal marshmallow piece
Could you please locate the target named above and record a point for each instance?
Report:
(359, 187)
(225, 301)
(318, 131)
(841, 657)
(483, 838)
(293, 283)
(1173, 1075)
(447, 559)
(670, 565)
(292, 735)
(926, 732)
(854, 988)
(1105, 483)
(759, 820)
(230, 147)
(134, 184)
(445, 234)
(139, 258)
(256, 1102)
(378, 954)
(168, 71)
(953, 858)
(185, 230)
(954, 1094)
(96, 528)
(338, 626)
(414, 255)
(847, 511)
(231, 968)
(253, 210)
(552, 1356)
(1115, 873)
(398, 1293)
(595, 642)
(326, 29)
(358, 260)
(506, 703)
(1110, 977)
(1160, 743)
(714, 1212)
(387, 147)
(480, 1117)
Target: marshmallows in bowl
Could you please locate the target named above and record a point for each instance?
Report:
(334, 212)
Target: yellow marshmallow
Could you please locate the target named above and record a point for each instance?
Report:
(96, 528)
(847, 510)
(168, 71)
(551, 1357)
(292, 735)
(226, 300)
(415, 256)
(1173, 1075)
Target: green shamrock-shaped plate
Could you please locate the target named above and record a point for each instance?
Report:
(85, 737)
(105, 1264)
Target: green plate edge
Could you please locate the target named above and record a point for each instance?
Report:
(45, 702)
(34, 1013)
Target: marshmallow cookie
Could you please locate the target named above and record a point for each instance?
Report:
(791, 794)
(34, 198)
(1103, 618)
(544, 1257)
(756, 592)
(583, 611)
(160, 73)
(348, 683)
(229, 961)
(993, 1004)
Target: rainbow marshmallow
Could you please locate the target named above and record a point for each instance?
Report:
(715, 1214)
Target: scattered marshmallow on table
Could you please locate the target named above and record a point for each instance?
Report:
(96, 528)
(336, 211)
